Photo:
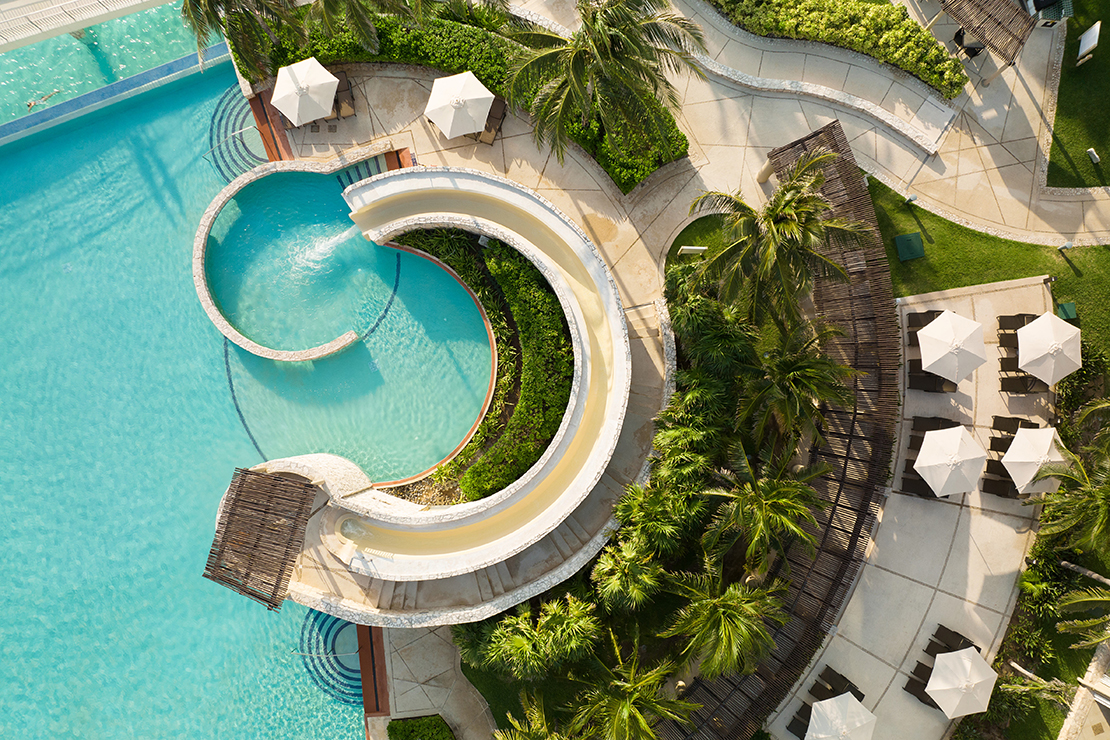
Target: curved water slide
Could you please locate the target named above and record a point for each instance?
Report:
(388, 540)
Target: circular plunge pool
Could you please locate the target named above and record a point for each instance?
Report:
(288, 270)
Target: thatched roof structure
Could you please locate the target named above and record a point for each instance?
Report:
(259, 535)
(858, 444)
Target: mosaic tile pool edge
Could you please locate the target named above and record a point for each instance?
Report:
(112, 93)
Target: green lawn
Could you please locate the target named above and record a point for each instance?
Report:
(1080, 110)
(956, 257)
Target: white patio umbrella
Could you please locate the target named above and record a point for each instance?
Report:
(950, 461)
(842, 718)
(1048, 348)
(459, 104)
(1031, 450)
(952, 346)
(304, 91)
(961, 683)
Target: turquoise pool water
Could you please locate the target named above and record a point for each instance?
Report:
(120, 436)
(289, 270)
(108, 52)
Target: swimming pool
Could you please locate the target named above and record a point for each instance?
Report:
(104, 53)
(120, 438)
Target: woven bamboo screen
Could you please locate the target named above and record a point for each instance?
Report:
(859, 442)
(259, 535)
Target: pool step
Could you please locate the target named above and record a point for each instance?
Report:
(361, 171)
(642, 320)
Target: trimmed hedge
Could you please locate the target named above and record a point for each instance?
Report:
(419, 728)
(884, 31)
(453, 47)
(499, 453)
(546, 374)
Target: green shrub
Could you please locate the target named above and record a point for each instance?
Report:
(880, 30)
(547, 368)
(452, 47)
(419, 728)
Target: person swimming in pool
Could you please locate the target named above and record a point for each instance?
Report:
(31, 104)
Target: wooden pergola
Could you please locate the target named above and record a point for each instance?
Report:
(1002, 25)
(259, 535)
(858, 447)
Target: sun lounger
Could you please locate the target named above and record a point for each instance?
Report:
(916, 485)
(911, 338)
(798, 728)
(996, 468)
(1008, 365)
(932, 423)
(1008, 339)
(934, 648)
(919, 319)
(1014, 322)
(805, 712)
(931, 383)
(494, 120)
(345, 103)
(922, 672)
(916, 440)
(1024, 385)
(917, 688)
(952, 638)
(999, 487)
(1001, 444)
(1010, 424)
(839, 683)
(821, 692)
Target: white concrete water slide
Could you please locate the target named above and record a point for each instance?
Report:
(391, 539)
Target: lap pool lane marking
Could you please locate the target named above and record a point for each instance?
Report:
(364, 337)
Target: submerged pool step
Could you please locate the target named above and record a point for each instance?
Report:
(361, 171)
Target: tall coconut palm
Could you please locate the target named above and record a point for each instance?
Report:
(776, 250)
(1093, 630)
(1080, 510)
(766, 512)
(627, 574)
(725, 625)
(785, 400)
(248, 25)
(614, 67)
(623, 702)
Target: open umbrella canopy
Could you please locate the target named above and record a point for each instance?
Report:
(1031, 450)
(961, 683)
(842, 718)
(952, 346)
(304, 91)
(950, 461)
(459, 104)
(1048, 348)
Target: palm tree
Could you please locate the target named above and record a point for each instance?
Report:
(1093, 630)
(1080, 510)
(355, 16)
(530, 649)
(775, 254)
(657, 517)
(725, 625)
(625, 701)
(535, 726)
(785, 401)
(627, 575)
(614, 67)
(767, 512)
(248, 25)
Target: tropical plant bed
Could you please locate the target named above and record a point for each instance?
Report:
(883, 31)
(535, 367)
(419, 728)
(957, 256)
(1080, 121)
(454, 47)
